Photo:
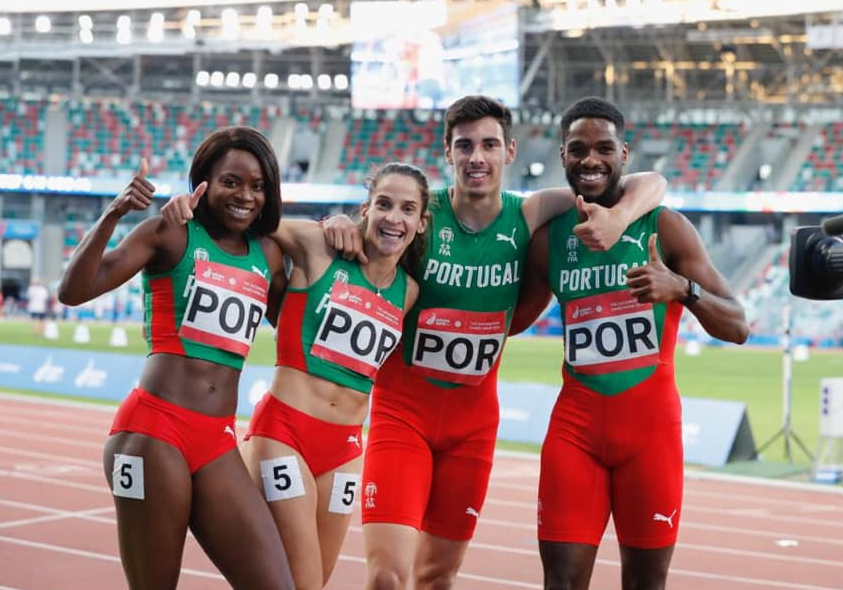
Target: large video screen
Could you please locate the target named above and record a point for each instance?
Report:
(426, 54)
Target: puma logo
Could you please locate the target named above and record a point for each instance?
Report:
(631, 240)
(259, 271)
(353, 440)
(229, 430)
(658, 517)
(472, 512)
(511, 239)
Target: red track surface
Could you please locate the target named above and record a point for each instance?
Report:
(57, 528)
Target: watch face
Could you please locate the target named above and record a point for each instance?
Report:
(693, 293)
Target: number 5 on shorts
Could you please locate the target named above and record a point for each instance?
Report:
(281, 478)
(127, 476)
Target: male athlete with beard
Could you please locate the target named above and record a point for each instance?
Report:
(434, 416)
(614, 443)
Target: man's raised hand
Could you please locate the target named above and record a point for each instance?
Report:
(600, 228)
(654, 282)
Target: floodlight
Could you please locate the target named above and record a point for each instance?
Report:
(264, 16)
(42, 24)
(230, 23)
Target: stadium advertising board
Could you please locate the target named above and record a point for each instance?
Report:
(426, 54)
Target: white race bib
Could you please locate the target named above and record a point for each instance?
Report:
(610, 332)
(458, 346)
(343, 491)
(225, 307)
(359, 329)
(127, 476)
(282, 478)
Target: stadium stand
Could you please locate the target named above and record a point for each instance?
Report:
(109, 137)
(22, 135)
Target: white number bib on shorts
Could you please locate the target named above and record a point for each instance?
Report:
(225, 307)
(359, 329)
(610, 332)
(458, 346)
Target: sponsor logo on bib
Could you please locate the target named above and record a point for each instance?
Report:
(610, 332)
(359, 329)
(225, 307)
(458, 346)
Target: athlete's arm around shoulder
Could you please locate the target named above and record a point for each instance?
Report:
(304, 242)
(277, 277)
(600, 227)
(412, 293)
(535, 294)
(684, 257)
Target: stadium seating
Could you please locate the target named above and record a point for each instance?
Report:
(109, 137)
(695, 156)
(817, 321)
(22, 136)
(377, 136)
(823, 169)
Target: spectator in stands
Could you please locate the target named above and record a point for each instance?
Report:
(304, 444)
(614, 443)
(434, 414)
(37, 304)
(171, 459)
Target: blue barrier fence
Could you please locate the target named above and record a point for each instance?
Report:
(714, 432)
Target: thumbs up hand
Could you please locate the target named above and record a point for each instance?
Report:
(137, 195)
(600, 227)
(654, 282)
(179, 209)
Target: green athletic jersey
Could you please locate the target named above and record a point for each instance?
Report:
(612, 342)
(468, 289)
(338, 328)
(210, 304)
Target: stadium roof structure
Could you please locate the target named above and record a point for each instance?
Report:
(650, 53)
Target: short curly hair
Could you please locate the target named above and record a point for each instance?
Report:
(592, 107)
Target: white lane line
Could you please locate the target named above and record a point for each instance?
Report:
(93, 555)
(49, 457)
(28, 476)
(17, 435)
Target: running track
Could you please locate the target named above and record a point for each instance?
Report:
(57, 528)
